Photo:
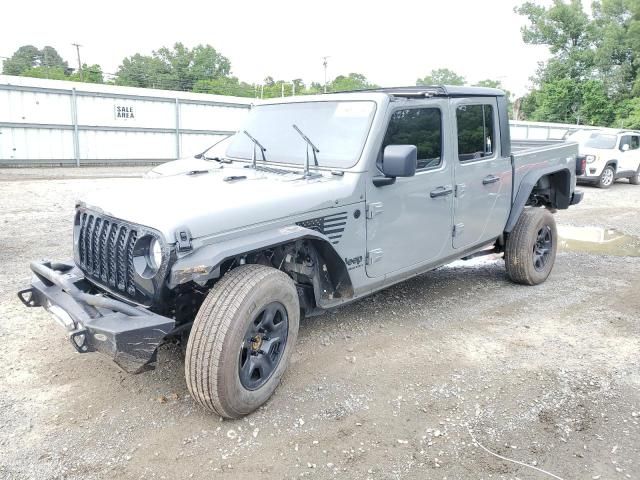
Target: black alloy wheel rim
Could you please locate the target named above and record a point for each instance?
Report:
(263, 345)
(542, 248)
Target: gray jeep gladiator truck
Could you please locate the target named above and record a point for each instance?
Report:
(318, 201)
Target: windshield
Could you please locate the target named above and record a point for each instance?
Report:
(338, 129)
(599, 140)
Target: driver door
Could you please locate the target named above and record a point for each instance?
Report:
(409, 222)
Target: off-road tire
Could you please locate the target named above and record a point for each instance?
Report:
(217, 336)
(635, 179)
(607, 177)
(521, 246)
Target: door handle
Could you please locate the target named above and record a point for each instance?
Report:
(441, 192)
(490, 179)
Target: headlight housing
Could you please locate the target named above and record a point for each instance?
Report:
(591, 158)
(147, 256)
(155, 254)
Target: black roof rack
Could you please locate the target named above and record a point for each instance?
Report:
(434, 91)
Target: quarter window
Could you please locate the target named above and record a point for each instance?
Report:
(631, 140)
(475, 132)
(421, 127)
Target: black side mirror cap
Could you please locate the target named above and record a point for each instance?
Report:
(383, 181)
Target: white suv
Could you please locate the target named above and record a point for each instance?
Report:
(611, 154)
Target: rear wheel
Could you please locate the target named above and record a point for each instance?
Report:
(242, 339)
(531, 247)
(635, 180)
(607, 177)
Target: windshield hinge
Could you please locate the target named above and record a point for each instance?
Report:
(183, 239)
(374, 209)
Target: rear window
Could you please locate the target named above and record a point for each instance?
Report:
(599, 140)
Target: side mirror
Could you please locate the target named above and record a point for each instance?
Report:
(397, 161)
(625, 147)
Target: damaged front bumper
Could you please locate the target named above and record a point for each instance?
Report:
(129, 334)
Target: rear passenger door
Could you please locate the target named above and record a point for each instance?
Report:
(482, 174)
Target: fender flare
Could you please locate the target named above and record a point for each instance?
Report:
(613, 162)
(204, 263)
(527, 185)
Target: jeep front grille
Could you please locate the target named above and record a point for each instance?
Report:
(105, 251)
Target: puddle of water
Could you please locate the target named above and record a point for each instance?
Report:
(598, 240)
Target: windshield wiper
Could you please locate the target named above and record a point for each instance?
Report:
(314, 149)
(256, 143)
(217, 159)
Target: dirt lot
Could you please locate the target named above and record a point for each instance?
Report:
(391, 387)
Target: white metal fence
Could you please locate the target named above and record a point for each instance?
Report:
(523, 130)
(49, 122)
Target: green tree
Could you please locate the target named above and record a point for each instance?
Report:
(442, 76)
(176, 68)
(49, 57)
(51, 73)
(28, 57)
(143, 71)
(567, 30)
(594, 64)
(90, 74)
(225, 86)
(488, 83)
(596, 107)
(628, 114)
(617, 56)
(353, 81)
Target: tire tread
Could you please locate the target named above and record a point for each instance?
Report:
(211, 325)
(518, 263)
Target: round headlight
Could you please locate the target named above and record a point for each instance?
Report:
(147, 256)
(155, 254)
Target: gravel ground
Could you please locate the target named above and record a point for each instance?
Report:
(395, 386)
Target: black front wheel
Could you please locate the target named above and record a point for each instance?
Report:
(242, 339)
(531, 247)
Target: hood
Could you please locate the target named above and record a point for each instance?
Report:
(221, 199)
(599, 153)
(182, 165)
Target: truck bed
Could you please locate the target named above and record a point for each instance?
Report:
(539, 155)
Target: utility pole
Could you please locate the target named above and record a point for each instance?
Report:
(324, 63)
(79, 62)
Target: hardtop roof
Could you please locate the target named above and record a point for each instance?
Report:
(436, 91)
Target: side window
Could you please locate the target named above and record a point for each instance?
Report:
(421, 127)
(475, 132)
(635, 142)
(625, 140)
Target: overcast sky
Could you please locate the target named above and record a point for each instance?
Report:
(392, 42)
